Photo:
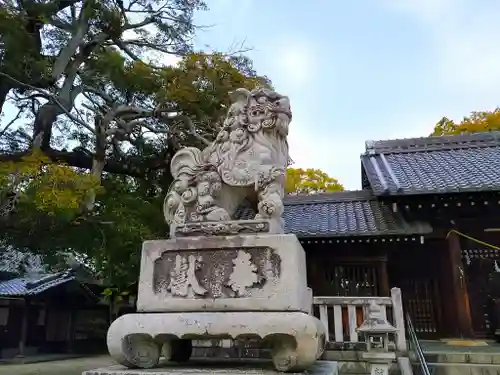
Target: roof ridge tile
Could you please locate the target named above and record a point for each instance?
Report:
(432, 143)
(446, 170)
(330, 197)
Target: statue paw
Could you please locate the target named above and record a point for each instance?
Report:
(284, 354)
(218, 214)
(266, 209)
(141, 351)
(285, 360)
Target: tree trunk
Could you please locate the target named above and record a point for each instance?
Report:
(4, 91)
(44, 120)
(98, 160)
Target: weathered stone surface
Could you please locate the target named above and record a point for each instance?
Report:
(216, 368)
(298, 339)
(264, 272)
(239, 272)
(246, 161)
(249, 348)
(224, 228)
(217, 278)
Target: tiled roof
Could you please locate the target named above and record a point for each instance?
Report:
(447, 164)
(33, 285)
(351, 213)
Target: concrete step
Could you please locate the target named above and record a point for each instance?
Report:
(440, 363)
(489, 358)
(459, 369)
(461, 363)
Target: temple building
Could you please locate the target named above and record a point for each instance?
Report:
(426, 221)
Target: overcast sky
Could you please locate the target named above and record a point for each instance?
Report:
(366, 69)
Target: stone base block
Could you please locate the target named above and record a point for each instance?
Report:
(261, 272)
(296, 339)
(226, 228)
(215, 368)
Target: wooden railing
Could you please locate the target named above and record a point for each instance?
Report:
(342, 315)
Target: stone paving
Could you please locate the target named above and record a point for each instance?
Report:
(439, 346)
(77, 365)
(65, 367)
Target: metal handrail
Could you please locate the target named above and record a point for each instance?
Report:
(412, 336)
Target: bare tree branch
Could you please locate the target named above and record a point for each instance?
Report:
(80, 30)
(121, 45)
(147, 21)
(51, 97)
(130, 166)
(148, 45)
(11, 122)
(189, 123)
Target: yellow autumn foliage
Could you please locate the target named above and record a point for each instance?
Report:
(476, 122)
(310, 181)
(52, 187)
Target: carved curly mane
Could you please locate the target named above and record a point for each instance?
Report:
(249, 154)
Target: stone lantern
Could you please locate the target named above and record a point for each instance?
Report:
(376, 329)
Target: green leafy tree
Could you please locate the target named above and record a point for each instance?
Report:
(100, 131)
(476, 122)
(126, 208)
(310, 181)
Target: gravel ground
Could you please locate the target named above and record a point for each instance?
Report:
(64, 367)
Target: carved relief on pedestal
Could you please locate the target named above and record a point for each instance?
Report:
(221, 228)
(244, 274)
(216, 273)
(183, 281)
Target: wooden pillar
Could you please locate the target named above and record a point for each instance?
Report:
(315, 278)
(458, 288)
(24, 329)
(384, 278)
(45, 325)
(72, 331)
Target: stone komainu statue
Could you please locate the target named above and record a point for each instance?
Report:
(247, 160)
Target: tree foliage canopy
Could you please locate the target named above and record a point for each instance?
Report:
(310, 181)
(476, 122)
(90, 117)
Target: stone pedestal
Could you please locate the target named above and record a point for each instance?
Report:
(214, 368)
(220, 286)
(261, 272)
(379, 362)
(138, 340)
(217, 278)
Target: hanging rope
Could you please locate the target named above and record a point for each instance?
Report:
(472, 239)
